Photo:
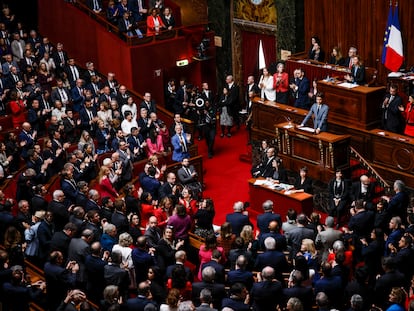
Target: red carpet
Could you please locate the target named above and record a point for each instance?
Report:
(225, 175)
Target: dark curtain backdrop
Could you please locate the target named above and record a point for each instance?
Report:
(250, 52)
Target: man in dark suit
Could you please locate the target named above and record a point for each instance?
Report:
(73, 72)
(125, 158)
(143, 258)
(267, 293)
(88, 117)
(150, 184)
(263, 220)
(148, 103)
(60, 57)
(180, 259)
(168, 188)
(237, 219)
(59, 209)
(363, 190)
(351, 53)
(234, 100)
(119, 218)
(217, 290)
(240, 274)
(58, 279)
(94, 270)
(138, 9)
(142, 300)
(251, 86)
(274, 232)
(265, 168)
(392, 108)
(153, 233)
(68, 184)
(300, 88)
(61, 239)
(295, 289)
(330, 285)
(127, 25)
(115, 275)
(272, 258)
(237, 298)
(60, 93)
(188, 177)
(398, 204)
(205, 299)
(79, 249)
(391, 278)
(215, 263)
(78, 96)
(44, 233)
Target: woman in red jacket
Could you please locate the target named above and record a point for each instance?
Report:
(154, 23)
(18, 108)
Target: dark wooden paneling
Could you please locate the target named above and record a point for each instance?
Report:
(360, 23)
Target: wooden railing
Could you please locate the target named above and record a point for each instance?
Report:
(370, 169)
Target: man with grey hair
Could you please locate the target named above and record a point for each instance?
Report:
(59, 209)
(322, 301)
(79, 249)
(186, 305)
(180, 259)
(205, 298)
(92, 203)
(237, 219)
(398, 204)
(217, 290)
(357, 303)
(272, 258)
(264, 219)
(325, 239)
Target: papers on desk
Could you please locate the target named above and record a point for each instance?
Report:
(307, 129)
(348, 85)
(263, 182)
(272, 185)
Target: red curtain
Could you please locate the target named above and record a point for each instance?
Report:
(250, 52)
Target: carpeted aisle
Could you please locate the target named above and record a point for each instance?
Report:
(225, 175)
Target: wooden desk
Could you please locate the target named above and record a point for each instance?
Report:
(322, 154)
(359, 106)
(393, 156)
(301, 202)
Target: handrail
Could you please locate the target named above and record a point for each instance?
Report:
(365, 163)
(134, 40)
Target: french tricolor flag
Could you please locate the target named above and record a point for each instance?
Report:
(393, 54)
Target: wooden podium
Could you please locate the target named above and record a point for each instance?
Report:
(359, 105)
(322, 154)
(301, 202)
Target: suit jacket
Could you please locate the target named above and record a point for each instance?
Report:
(60, 214)
(240, 276)
(238, 221)
(320, 117)
(205, 307)
(115, 275)
(392, 118)
(358, 195)
(120, 221)
(70, 190)
(183, 176)
(275, 259)
(178, 153)
(77, 97)
(264, 219)
(234, 100)
(219, 278)
(358, 73)
(138, 304)
(58, 62)
(302, 98)
(168, 22)
(305, 294)
(151, 25)
(70, 74)
(78, 251)
(55, 95)
(361, 224)
(84, 117)
(398, 204)
(266, 295)
(90, 4)
(234, 304)
(218, 292)
(151, 185)
(94, 270)
(152, 106)
(126, 166)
